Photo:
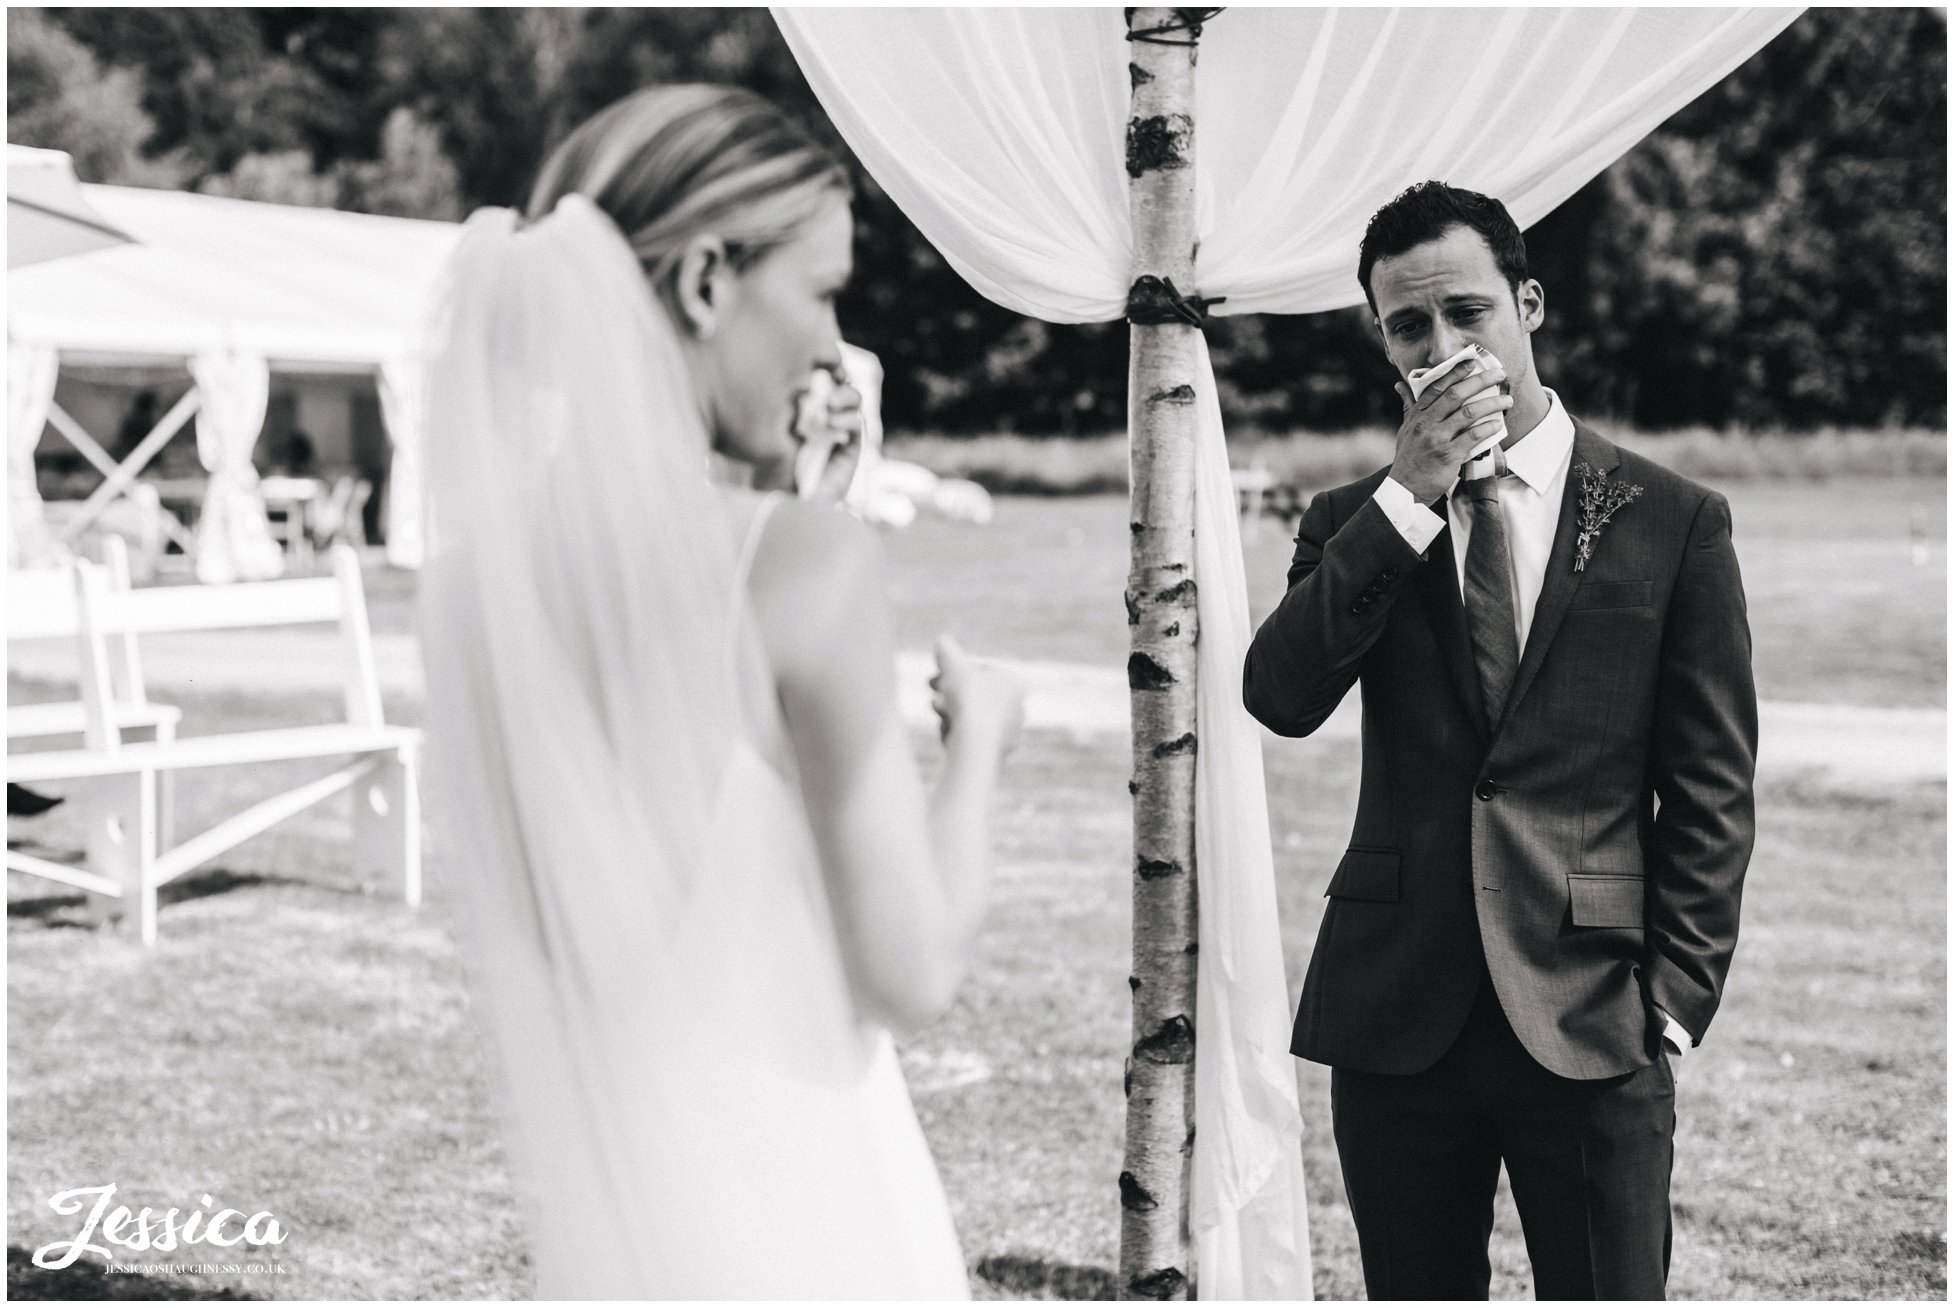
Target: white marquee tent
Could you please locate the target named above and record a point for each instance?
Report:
(232, 290)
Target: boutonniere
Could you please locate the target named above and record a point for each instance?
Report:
(1599, 500)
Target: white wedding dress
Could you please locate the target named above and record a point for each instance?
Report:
(695, 1105)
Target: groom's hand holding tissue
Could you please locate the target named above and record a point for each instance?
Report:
(1445, 422)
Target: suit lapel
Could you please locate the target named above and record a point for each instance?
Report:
(1558, 586)
(1440, 580)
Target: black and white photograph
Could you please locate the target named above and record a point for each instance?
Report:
(823, 653)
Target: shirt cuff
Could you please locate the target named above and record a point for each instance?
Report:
(1675, 1035)
(1417, 524)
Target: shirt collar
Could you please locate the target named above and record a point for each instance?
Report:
(1538, 459)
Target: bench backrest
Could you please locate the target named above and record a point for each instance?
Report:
(42, 604)
(108, 614)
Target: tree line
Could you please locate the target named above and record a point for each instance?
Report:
(1774, 255)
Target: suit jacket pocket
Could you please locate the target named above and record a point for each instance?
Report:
(1603, 900)
(1613, 595)
(1367, 874)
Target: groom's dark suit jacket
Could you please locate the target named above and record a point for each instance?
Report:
(1591, 847)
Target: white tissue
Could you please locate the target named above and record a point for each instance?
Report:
(810, 425)
(1419, 378)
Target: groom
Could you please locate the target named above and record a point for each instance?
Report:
(1539, 902)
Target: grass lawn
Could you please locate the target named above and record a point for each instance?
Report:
(303, 1044)
(1847, 584)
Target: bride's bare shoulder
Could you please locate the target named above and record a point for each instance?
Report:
(817, 582)
(808, 541)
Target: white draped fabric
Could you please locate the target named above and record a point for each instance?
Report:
(1001, 133)
(403, 408)
(31, 373)
(234, 540)
(864, 372)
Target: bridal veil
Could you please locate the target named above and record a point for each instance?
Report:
(695, 1107)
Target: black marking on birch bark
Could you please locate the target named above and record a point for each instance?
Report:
(1132, 609)
(1132, 787)
(1189, 1142)
(1167, 1283)
(1177, 395)
(1173, 567)
(1136, 527)
(1171, 1045)
(1126, 1080)
(1133, 1196)
(1152, 869)
(1142, 673)
(1173, 629)
(1177, 593)
(1140, 75)
(1193, 947)
(1134, 983)
(1179, 745)
(1160, 142)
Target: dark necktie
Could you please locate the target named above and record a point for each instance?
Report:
(1489, 594)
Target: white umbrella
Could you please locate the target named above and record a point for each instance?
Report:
(47, 218)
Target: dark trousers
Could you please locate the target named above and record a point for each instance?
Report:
(1588, 1160)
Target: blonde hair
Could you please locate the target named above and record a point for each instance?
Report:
(671, 162)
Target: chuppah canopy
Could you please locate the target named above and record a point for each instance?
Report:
(226, 286)
(1002, 134)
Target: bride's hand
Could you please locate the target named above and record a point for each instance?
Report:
(836, 424)
(978, 703)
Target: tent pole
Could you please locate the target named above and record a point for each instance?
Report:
(1155, 1258)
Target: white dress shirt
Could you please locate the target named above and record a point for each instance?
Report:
(1530, 501)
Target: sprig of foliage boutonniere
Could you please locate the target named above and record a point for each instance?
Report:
(1599, 500)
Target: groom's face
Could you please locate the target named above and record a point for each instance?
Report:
(1435, 299)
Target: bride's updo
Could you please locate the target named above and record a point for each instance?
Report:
(671, 162)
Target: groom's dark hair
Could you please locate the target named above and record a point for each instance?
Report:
(1428, 211)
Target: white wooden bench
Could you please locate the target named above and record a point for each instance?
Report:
(41, 605)
(125, 858)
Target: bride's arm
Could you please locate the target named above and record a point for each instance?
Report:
(908, 874)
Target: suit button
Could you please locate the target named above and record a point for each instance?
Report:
(1387, 576)
(1487, 790)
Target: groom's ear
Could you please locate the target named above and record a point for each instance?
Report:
(699, 285)
(1530, 298)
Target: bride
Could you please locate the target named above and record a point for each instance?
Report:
(698, 880)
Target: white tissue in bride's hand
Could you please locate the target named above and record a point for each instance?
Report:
(1419, 378)
(811, 428)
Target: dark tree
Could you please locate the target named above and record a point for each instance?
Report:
(1776, 254)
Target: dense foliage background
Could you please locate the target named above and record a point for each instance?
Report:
(1773, 255)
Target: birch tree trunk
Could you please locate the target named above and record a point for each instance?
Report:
(1154, 1245)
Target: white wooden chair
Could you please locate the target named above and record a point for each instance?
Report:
(126, 860)
(337, 515)
(41, 606)
(1251, 486)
